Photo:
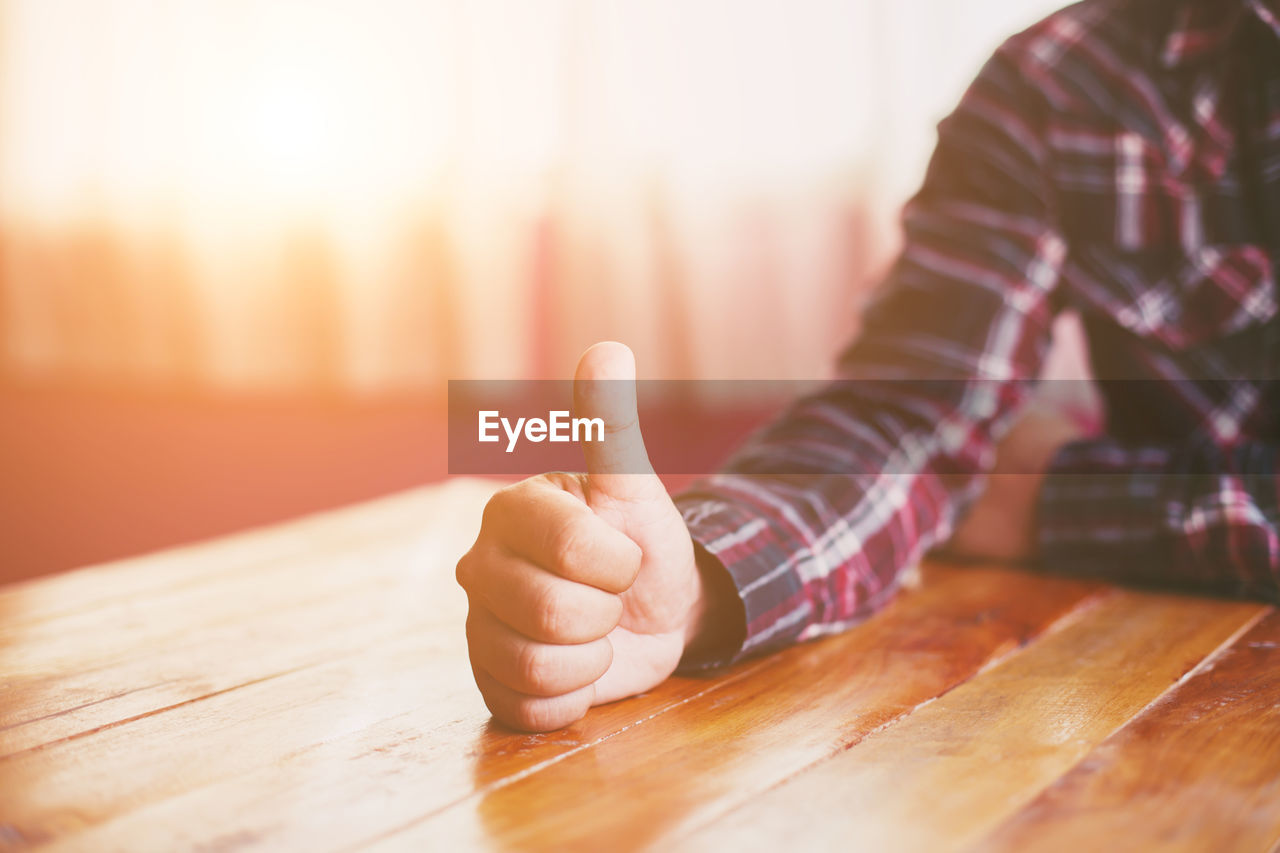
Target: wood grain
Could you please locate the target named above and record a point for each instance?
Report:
(401, 701)
(91, 588)
(328, 790)
(76, 670)
(954, 768)
(307, 687)
(721, 748)
(1198, 770)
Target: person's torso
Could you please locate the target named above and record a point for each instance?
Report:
(1163, 155)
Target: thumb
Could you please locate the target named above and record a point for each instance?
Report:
(604, 387)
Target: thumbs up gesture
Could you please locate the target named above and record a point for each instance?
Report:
(582, 588)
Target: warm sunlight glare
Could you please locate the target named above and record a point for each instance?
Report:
(367, 193)
(132, 105)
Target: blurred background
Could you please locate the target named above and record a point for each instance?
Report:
(244, 243)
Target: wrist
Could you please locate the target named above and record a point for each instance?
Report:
(696, 622)
(716, 625)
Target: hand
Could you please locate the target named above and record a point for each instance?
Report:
(582, 589)
(1001, 525)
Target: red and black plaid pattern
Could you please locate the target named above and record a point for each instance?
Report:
(1122, 159)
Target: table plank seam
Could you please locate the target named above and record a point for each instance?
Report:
(1076, 610)
(61, 711)
(352, 653)
(1232, 619)
(1205, 663)
(277, 562)
(377, 531)
(1082, 608)
(484, 790)
(1005, 700)
(135, 717)
(233, 619)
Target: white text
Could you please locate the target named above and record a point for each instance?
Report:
(558, 427)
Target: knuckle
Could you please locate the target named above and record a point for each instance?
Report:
(534, 666)
(614, 609)
(551, 613)
(464, 572)
(527, 714)
(540, 715)
(505, 505)
(494, 510)
(571, 543)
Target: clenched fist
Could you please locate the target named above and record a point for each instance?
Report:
(582, 588)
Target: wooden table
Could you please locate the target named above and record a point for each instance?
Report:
(306, 687)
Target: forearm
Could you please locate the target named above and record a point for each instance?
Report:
(813, 522)
(1195, 517)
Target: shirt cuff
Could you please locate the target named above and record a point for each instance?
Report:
(743, 548)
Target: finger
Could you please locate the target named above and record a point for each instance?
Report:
(535, 602)
(533, 668)
(543, 523)
(532, 713)
(604, 387)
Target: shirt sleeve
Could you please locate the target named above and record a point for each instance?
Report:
(1199, 517)
(816, 518)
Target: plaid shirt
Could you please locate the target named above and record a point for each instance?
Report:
(1121, 159)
